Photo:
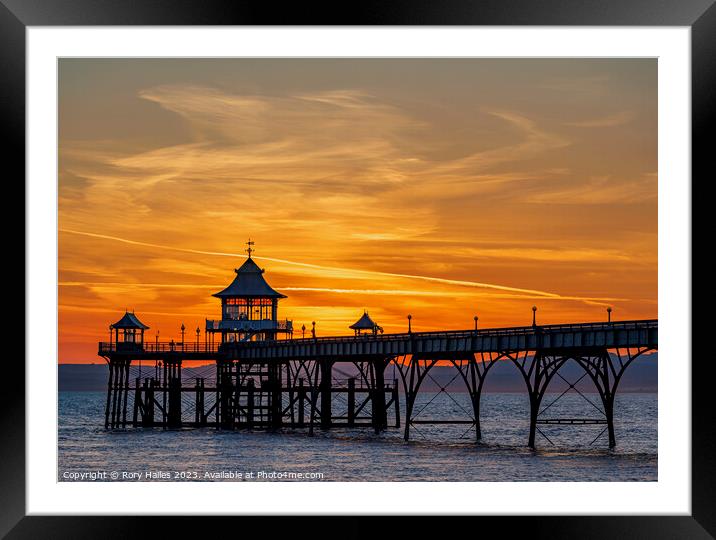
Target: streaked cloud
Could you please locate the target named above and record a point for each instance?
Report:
(612, 120)
(601, 190)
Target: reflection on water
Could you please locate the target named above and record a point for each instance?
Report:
(435, 452)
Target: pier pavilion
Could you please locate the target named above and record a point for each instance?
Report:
(249, 308)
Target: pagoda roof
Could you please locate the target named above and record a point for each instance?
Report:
(130, 320)
(364, 323)
(249, 283)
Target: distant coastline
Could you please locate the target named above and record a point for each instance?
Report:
(641, 377)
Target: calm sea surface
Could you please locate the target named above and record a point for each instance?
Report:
(434, 453)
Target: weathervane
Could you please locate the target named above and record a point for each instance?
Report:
(249, 250)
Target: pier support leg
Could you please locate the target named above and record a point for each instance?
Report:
(411, 391)
(379, 414)
(606, 371)
(473, 373)
(119, 393)
(137, 401)
(109, 394)
(607, 394)
(301, 403)
(250, 393)
(125, 393)
(291, 395)
(537, 371)
(314, 396)
(476, 394)
(197, 403)
(535, 402)
(609, 413)
(202, 405)
(148, 417)
(276, 401)
(225, 389)
(172, 393)
(326, 393)
(351, 401)
(412, 375)
(233, 405)
(165, 389)
(218, 403)
(396, 402)
(174, 413)
(115, 394)
(476, 411)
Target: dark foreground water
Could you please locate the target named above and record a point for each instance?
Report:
(435, 453)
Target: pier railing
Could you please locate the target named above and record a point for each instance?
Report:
(158, 347)
(453, 342)
(644, 324)
(248, 325)
(207, 348)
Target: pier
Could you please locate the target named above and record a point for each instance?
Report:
(257, 374)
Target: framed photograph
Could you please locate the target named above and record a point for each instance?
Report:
(414, 261)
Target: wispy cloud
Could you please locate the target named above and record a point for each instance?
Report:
(600, 190)
(340, 272)
(612, 120)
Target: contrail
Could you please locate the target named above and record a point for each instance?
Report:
(388, 292)
(445, 281)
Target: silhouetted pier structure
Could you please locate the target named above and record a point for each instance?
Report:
(255, 380)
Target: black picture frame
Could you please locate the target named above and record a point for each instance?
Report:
(699, 15)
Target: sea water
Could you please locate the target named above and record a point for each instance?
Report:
(88, 452)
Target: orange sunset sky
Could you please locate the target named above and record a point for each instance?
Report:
(443, 188)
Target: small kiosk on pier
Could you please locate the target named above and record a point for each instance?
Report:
(365, 325)
(129, 332)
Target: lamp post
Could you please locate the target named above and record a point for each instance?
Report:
(410, 329)
(197, 338)
(534, 315)
(609, 314)
(303, 331)
(183, 331)
(111, 328)
(156, 340)
(313, 329)
(475, 319)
